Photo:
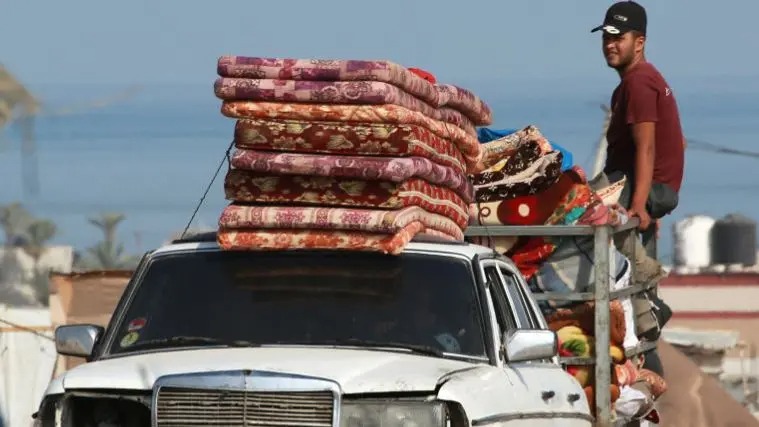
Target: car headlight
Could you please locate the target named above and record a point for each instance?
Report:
(392, 413)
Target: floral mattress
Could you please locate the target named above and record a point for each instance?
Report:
(396, 140)
(236, 216)
(351, 92)
(385, 114)
(243, 186)
(268, 239)
(393, 169)
(436, 95)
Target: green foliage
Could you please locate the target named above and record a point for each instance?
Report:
(108, 254)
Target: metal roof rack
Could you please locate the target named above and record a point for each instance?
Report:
(203, 236)
(602, 295)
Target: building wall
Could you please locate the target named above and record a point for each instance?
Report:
(88, 297)
(719, 302)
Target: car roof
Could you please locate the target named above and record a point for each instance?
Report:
(426, 244)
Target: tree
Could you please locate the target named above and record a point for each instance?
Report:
(108, 254)
(38, 234)
(15, 221)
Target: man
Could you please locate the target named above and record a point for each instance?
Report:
(645, 140)
(645, 145)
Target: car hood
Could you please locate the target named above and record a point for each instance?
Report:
(356, 370)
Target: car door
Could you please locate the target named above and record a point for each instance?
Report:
(558, 392)
(512, 314)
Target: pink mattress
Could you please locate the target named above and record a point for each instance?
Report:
(268, 240)
(237, 216)
(355, 92)
(393, 169)
(246, 187)
(386, 114)
(367, 139)
(437, 95)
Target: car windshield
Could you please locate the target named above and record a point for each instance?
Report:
(411, 302)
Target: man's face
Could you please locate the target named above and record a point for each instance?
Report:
(620, 49)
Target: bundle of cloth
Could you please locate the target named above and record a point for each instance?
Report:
(345, 154)
(523, 179)
(634, 390)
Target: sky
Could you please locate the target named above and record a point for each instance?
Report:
(506, 46)
(503, 50)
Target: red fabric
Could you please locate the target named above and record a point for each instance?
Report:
(644, 96)
(424, 74)
(536, 209)
(530, 253)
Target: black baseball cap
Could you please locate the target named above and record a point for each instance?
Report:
(622, 17)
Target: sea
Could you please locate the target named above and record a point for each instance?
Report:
(152, 156)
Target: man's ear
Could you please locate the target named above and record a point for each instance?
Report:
(640, 43)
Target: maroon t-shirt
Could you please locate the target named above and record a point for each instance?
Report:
(644, 96)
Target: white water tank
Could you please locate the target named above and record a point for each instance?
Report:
(692, 240)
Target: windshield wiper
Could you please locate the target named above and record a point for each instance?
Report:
(356, 342)
(189, 341)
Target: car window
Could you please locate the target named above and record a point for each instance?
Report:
(503, 312)
(318, 298)
(521, 306)
(536, 317)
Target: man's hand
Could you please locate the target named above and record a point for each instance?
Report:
(642, 214)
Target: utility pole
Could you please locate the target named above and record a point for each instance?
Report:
(598, 165)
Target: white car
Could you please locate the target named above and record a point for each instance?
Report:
(445, 334)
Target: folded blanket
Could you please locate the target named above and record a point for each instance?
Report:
(534, 209)
(393, 169)
(237, 216)
(495, 175)
(538, 177)
(347, 138)
(359, 92)
(486, 135)
(251, 187)
(266, 240)
(505, 147)
(355, 70)
(524, 162)
(388, 113)
(329, 70)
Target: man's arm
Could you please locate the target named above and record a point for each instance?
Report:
(642, 115)
(644, 135)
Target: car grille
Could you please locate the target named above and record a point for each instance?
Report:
(193, 407)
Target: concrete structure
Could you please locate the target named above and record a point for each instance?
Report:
(17, 270)
(720, 304)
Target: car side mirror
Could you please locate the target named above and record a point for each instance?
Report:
(522, 345)
(77, 340)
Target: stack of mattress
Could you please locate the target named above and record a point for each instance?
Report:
(359, 155)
